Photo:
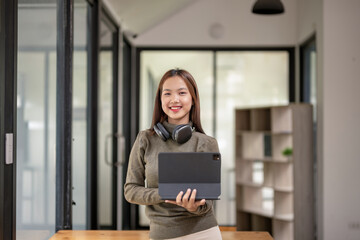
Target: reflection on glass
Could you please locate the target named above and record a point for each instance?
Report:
(36, 120)
(79, 123)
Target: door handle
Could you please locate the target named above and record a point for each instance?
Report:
(9, 148)
(121, 149)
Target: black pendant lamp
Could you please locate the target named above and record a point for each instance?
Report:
(268, 7)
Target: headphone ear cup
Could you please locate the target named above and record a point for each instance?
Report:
(182, 133)
(161, 131)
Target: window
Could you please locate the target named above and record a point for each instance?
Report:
(226, 80)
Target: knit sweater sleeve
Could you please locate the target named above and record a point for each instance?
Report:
(210, 145)
(134, 188)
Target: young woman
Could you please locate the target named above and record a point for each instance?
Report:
(177, 106)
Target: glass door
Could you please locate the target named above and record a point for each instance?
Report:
(94, 118)
(36, 119)
(107, 125)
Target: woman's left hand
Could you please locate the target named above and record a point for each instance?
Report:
(187, 201)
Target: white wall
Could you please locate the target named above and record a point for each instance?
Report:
(240, 27)
(309, 19)
(341, 119)
(338, 47)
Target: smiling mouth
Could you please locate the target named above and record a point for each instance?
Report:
(175, 109)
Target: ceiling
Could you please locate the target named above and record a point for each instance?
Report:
(139, 16)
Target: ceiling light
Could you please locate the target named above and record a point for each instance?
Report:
(268, 7)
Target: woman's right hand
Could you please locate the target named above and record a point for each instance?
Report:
(188, 201)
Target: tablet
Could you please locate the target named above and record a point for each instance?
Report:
(179, 171)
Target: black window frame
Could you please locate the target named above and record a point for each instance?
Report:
(127, 66)
(8, 106)
(304, 68)
(92, 114)
(64, 64)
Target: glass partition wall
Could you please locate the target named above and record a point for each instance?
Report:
(36, 120)
(226, 80)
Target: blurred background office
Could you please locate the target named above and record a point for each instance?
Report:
(120, 49)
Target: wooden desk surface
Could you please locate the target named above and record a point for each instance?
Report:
(144, 235)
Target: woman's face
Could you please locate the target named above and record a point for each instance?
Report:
(176, 100)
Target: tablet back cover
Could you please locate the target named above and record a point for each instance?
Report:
(179, 171)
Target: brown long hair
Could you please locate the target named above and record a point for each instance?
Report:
(160, 116)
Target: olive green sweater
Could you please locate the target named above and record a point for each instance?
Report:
(166, 220)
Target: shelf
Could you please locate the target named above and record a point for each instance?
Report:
(254, 173)
(240, 132)
(283, 176)
(279, 144)
(281, 119)
(239, 197)
(285, 217)
(252, 145)
(283, 160)
(260, 186)
(284, 203)
(238, 150)
(261, 223)
(261, 212)
(273, 189)
(284, 189)
(259, 200)
(267, 159)
(245, 170)
(283, 230)
(242, 119)
(260, 119)
(264, 159)
(260, 145)
(250, 184)
(252, 198)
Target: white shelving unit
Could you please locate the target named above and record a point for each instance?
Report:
(274, 190)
